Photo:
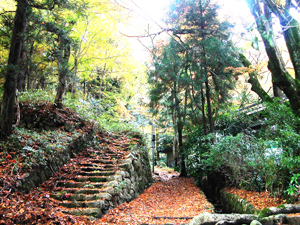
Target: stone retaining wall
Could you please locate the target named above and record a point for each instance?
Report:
(269, 216)
(127, 184)
(234, 204)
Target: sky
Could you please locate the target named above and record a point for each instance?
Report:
(149, 14)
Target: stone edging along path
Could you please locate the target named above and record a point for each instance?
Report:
(248, 214)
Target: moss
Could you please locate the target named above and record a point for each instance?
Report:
(264, 220)
(281, 207)
(265, 212)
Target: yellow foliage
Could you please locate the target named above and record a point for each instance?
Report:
(122, 110)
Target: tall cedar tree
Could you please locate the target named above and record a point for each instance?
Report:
(210, 50)
(190, 71)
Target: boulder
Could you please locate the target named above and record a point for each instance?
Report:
(213, 218)
(255, 222)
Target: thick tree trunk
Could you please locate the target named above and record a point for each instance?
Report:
(255, 85)
(290, 28)
(278, 93)
(9, 94)
(22, 73)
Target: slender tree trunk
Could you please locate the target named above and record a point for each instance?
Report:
(75, 76)
(203, 111)
(209, 111)
(183, 172)
(156, 144)
(63, 72)
(9, 94)
(175, 140)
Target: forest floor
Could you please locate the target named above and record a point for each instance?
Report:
(170, 200)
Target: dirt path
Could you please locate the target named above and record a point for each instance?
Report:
(171, 200)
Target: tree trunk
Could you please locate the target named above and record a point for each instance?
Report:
(278, 93)
(280, 77)
(203, 111)
(63, 69)
(209, 111)
(183, 172)
(255, 85)
(21, 84)
(290, 28)
(8, 100)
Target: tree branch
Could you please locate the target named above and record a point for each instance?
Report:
(42, 6)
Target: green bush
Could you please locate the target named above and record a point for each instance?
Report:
(263, 160)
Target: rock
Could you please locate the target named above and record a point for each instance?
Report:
(122, 173)
(293, 220)
(222, 222)
(286, 208)
(213, 218)
(275, 219)
(69, 127)
(255, 222)
(113, 183)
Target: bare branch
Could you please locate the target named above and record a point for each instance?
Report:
(148, 35)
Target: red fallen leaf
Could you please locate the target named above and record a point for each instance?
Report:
(8, 157)
(67, 195)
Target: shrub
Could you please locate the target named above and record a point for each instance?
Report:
(253, 160)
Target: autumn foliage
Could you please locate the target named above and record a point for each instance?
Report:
(173, 200)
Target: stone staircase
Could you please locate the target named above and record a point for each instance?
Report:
(92, 183)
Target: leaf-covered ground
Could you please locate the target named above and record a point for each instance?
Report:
(172, 200)
(258, 200)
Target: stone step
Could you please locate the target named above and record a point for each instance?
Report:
(102, 161)
(63, 190)
(93, 212)
(102, 155)
(80, 197)
(90, 179)
(96, 173)
(92, 169)
(97, 166)
(107, 189)
(99, 203)
(74, 184)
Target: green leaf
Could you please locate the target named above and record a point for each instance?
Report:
(254, 43)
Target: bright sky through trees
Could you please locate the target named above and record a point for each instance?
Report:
(148, 15)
